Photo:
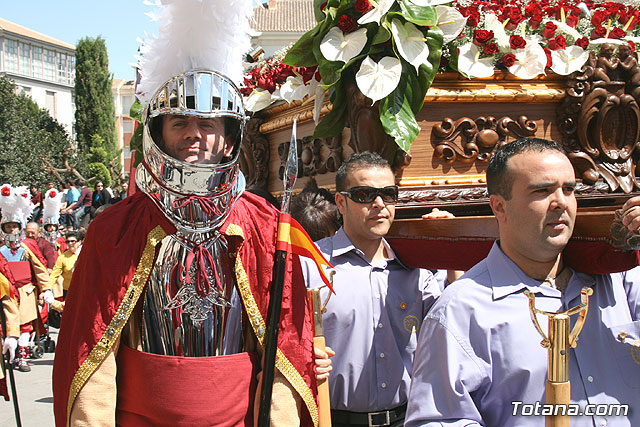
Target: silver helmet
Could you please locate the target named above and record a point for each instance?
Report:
(196, 197)
(15, 205)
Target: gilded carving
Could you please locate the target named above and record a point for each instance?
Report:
(316, 156)
(479, 138)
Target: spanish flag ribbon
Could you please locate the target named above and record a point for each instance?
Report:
(293, 238)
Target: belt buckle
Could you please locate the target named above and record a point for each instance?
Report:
(387, 421)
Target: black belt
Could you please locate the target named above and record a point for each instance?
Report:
(371, 419)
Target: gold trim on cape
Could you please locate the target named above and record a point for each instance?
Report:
(259, 326)
(119, 320)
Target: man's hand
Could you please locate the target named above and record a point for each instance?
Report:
(10, 345)
(47, 296)
(631, 215)
(437, 214)
(323, 364)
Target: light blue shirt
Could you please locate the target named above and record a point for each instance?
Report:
(372, 323)
(479, 351)
(72, 196)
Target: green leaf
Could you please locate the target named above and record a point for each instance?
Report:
(333, 123)
(301, 53)
(427, 71)
(419, 15)
(135, 112)
(382, 35)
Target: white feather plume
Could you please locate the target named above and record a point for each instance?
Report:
(16, 206)
(52, 202)
(211, 34)
(23, 202)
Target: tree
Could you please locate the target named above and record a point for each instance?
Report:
(26, 134)
(95, 112)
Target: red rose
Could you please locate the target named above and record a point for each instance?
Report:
(5, 191)
(307, 73)
(473, 19)
(582, 42)
(317, 76)
(266, 83)
(598, 17)
(490, 49)
(508, 60)
(549, 30)
(514, 17)
(572, 20)
(52, 194)
(323, 5)
(632, 45)
(535, 21)
(480, 37)
(558, 42)
(347, 23)
(598, 33)
(617, 33)
(549, 59)
(532, 8)
(517, 42)
(363, 6)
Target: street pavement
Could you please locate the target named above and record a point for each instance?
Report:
(34, 394)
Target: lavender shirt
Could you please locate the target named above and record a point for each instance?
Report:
(479, 351)
(372, 323)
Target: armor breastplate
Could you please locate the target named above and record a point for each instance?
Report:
(178, 318)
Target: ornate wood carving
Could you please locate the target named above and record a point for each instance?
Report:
(367, 133)
(480, 138)
(600, 118)
(315, 156)
(254, 154)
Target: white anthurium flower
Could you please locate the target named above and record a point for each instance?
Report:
(410, 43)
(337, 46)
(378, 79)
(492, 23)
(380, 7)
(530, 61)
(566, 61)
(635, 40)
(293, 89)
(564, 28)
(258, 100)
(317, 91)
(451, 22)
(470, 63)
(424, 3)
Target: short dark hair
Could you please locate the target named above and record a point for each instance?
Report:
(71, 234)
(498, 180)
(316, 210)
(81, 182)
(68, 181)
(364, 160)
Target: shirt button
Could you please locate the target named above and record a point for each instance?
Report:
(379, 325)
(603, 422)
(383, 385)
(382, 355)
(590, 378)
(378, 296)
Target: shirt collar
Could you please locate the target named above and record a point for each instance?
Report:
(342, 245)
(507, 278)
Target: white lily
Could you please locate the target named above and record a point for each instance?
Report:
(378, 79)
(451, 22)
(564, 28)
(258, 100)
(410, 43)
(337, 46)
(429, 2)
(530, 61)
(566, 61)
(380, 7)
(470, 63)
(293, 89)
(492, 23)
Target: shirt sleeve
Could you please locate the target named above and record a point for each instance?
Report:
(631, 283)
(57, 270)
(431, 287)
(445, 375)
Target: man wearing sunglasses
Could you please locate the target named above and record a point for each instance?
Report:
(66, 262)
(373, 320)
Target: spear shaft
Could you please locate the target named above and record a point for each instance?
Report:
(12, 380)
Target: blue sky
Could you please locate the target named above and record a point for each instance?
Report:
(118, 22)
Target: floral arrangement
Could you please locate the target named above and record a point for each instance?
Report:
(394, 48)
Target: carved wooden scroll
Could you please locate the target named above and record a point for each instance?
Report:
(254, 155)
(600, 118)
(479, 138)
(315, 156)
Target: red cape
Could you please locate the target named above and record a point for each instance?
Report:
(113, 246)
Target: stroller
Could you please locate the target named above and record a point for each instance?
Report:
(40, 342)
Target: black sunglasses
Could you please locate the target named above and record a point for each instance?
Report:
(366, 194)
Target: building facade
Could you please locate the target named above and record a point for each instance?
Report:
(123, 98)
(42, 68)
(279, 23)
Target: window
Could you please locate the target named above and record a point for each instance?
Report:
(26, 90)
(49, 60)
(127, 102)
(11, 55)
(127, 126)
(25, 59)
(72, 69)
(50, 103)
(36, 61)
(62, 67)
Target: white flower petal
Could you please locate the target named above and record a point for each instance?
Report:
(429, 2)
(564, 28)
(471, 64)
(377, 80)
(410, 43)
(492, 23)
(319, 100)
(451, 22)
(258, 100)
(293, 89)
(603, 41)
(337, 46)
(566, 61)
(378, 11)
(530, 61)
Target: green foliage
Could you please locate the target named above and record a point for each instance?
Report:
(26, 133)
(136, 139)
(95, 111)
(100, 172)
